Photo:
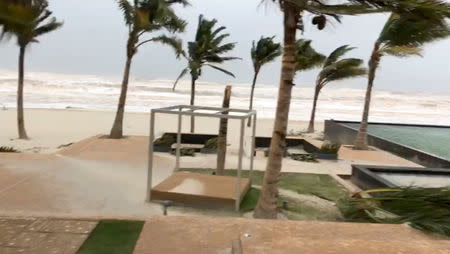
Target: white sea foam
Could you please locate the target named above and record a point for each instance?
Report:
(49, 90)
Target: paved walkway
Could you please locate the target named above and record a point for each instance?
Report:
(99, 177)
(43, 236)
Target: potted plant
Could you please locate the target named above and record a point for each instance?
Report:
(164, 143)
(210, 146)
(328, 151)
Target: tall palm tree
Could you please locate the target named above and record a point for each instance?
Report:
(145, 17)
(267, 203)
(264, 51)
(26, 20)
(293, 11)
(334, 68)
(404, 34)
(206, 50)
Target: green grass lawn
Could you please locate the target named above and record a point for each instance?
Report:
(319, 185)
(112, 237)
(322, 186)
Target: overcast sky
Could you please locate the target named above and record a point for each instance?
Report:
(93, 38)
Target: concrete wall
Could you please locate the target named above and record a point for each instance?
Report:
(337, 132)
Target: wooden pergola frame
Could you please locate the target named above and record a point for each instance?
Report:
(215, 112)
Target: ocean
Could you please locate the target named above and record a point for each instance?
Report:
(87, 92)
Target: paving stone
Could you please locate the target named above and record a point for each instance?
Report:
(63, 226)
(6, 236)
(7, 250)
(43, 236)
(15, 224)
(27, 239)
(60, 243)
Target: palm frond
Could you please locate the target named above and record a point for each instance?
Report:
(426, 209)
(264, 51)
(183, 72)
(220, 69)
(182, 2)
(24, 20)
(337, 53)
(342, 69)
(345, 73)
(306, 56)
(401, 51)
(127, 10)
(155, 15)
(415, 7)
(51, 26)
(208, 47)
(172, 41)
(413, 31)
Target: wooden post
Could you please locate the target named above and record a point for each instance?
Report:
(150, 156)
(222, 137)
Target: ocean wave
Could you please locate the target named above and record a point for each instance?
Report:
(61, 91)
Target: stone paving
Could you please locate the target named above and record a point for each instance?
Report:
(43, 236)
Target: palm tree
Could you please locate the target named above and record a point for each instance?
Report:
(334, 69)
(404, 34)
(143, 17)
(206, 50)
(292, 21)
(264, 51)
(26, 20)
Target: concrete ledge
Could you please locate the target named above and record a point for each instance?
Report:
(215, 235)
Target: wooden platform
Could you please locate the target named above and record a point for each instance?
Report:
(194, 189)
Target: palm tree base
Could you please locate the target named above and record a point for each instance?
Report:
(115, 134)
(261, 213)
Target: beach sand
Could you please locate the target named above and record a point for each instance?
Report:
(50, 129)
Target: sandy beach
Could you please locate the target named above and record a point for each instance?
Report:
(50, 129)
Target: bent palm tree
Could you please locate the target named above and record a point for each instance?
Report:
(206, 50)
(26, 20)
(141, 17)
(264, 51)
(334, 69)
(292, 20)
(403, 35)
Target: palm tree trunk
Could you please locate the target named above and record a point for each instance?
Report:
(20, 116)
(117, 129)
(313, 111)
(192, 103)
(267, 203)
(361, 138)
(255, 76)
(222, 137)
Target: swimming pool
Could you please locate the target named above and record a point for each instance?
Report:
(434, 140)
(425, 145)
(370, 177)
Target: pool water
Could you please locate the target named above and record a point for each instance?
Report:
(421, 180)
(433, 140)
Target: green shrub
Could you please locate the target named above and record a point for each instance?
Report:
(185, 152)
(8, 149)
(165, 140)
(211, 143)
(329, 148)
(304, 157)
(426, 209)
